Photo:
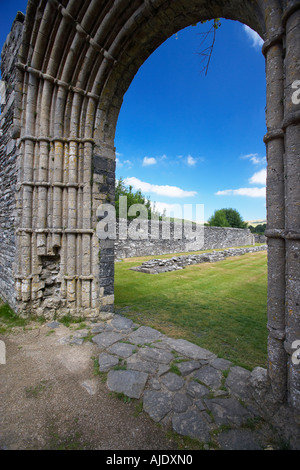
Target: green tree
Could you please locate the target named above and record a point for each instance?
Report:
(234, 218)
(218, 219)
(261, 228)
(226, 218)
(132, 198)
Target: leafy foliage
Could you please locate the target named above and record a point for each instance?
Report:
(227, 218)
(132, 198)
(259, 229)
(218, 219)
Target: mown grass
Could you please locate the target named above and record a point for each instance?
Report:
(219, 306)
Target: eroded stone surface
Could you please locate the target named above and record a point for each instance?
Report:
(228, 411)
(155, 355)
(210, 376)
(172, 382)
(221, 364)
(129, 382)
(191, 350)
(191, 424)
(135, 363)
(122, 349)
(144, 334)
(188, 367)
(181, 402)
(157, 404)
(196, 390)
(106, 339)
(121, 323)
(238, 381)
(238, 439)
(107, 362)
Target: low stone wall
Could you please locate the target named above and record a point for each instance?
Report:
(156, 266)
(154, 242)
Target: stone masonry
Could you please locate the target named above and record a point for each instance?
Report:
(75, 62)
(170, 238)
(9, 154)
(156, 266)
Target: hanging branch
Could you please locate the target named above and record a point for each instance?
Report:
(206, 54)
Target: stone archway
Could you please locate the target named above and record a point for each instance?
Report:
(76, 61)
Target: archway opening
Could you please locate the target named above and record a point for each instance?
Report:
(186, 138)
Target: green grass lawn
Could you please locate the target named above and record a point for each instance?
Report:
(219, 306)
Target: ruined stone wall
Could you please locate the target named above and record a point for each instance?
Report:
(156, 244)
(157, 266)
(9, 153)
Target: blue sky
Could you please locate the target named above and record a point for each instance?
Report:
(186, 138)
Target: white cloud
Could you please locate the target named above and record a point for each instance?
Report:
(255, 159)
(170, 210)
(149, 161)
(250, 192)
(259, 178)
(180, 211)
(126, 163)
(191, 161)
(161, 190)
(257, 41)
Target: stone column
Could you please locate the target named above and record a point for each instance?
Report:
(292, 196)
(274, 139)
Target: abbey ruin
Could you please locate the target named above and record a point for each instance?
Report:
(67, 65)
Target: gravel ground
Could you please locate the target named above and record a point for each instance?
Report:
(50, 398)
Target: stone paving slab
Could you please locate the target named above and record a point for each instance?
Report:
(239, 439)
(107, 362)
(190, 350)
(135, 363)
(228, 411)
(181, 402)
(106, 339)
(180, 384)
(172, 382)
(157, 404)
(121, 323)
(144, 335)
(129, 382)
(155, 355)
(192, 424)
(122, 350)
(196, 390)
(188, 367)
(238, 381)
(209, 376)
